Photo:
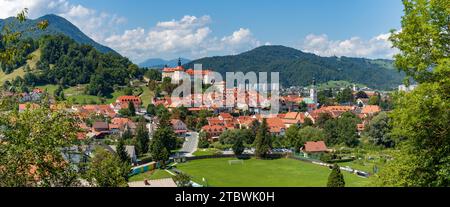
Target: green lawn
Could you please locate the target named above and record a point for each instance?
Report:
(146, 96)
(35, 56)
(263, 173)
(204, 152)
(77, 96)
(150, 175)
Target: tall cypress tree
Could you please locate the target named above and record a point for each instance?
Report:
(131, 108)
(336, 178)
(142, 138)
(262, 141)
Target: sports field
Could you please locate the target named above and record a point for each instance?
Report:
(263, 173)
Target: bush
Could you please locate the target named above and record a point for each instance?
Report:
(220, 146)
(329, 157)
(145, 159)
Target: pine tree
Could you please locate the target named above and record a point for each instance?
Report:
(127, 134)
(336, 178)
(131, 108)
(262, 141)
(121, 152)
(158, 151)
(238, 146)
(142, 138)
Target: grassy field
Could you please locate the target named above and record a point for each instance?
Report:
(264, 173)
(203, 152)
(35, 56)
(151, 175)
(77, 96)
(146, 96)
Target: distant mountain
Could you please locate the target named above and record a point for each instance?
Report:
(159, 63)
(299, 68)
(57, 25)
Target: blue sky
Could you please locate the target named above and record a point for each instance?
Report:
(281, 21)
(197, 28)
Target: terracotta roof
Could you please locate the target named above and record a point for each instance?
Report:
(120, 121)
(338, 108)
(225, 115)
(100, 125)
(318, 146)
(292, 98)
(198, 72)
(215, 121)
(32, 106)
(171, 70)
(291, 115)
(370, 109)
(134, 99)
(213, 128)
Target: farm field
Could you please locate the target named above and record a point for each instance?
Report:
(263, 173)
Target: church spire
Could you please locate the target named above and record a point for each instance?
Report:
(179, 62)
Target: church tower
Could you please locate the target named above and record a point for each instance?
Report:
(179, 62)
(313, 92)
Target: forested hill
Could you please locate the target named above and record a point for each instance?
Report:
(64, 62)
(57, 25)
(299, 68)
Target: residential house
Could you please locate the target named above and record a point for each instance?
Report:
(244, 122)
(123, 101)
(33, 96)
(98, 110)
(213, 132)
(100, 129)
(314, 149)
(334, 111)
(276, 126)
(293, 118)
(370, 110)
(179, 127)
(129, 149)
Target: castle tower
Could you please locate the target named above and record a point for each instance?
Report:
(313, 92)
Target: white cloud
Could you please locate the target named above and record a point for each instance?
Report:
(188, 37)
(376, 47)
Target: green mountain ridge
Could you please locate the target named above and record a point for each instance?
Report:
(57, 25)
(299, 68)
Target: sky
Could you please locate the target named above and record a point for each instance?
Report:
(197, 28)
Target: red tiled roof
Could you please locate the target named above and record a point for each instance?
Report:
(32, 106)
(225, 115)
(197, 72)
(318, 146)
(291, 115)
(170, 70)
(134, 99)
(370, 109)
(213, 128)
(214, 121)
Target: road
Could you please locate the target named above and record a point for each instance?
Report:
(190, 144)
